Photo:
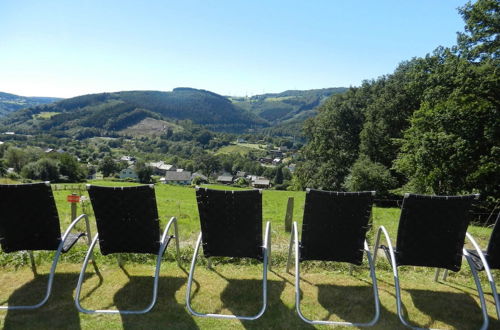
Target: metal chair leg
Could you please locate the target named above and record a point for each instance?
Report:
(52, 270)
(225, 316)
(479, 290)
(164, 243)
(290, 247)
(297, 291)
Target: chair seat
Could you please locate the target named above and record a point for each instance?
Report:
(476, 260)
(70, 241)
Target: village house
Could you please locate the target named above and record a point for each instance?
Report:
(128, 173)
(266, 160)
(241, 174)
(225, 178)
(199, 175)
(128, 159)
(251, 178)
(261, 182)
(160, 168)
(174, 177)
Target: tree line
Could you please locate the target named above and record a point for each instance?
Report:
(432, 126)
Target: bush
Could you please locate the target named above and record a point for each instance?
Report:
(368, 175)
(282, 186)
(198, 181)
(13, 176)
(44, 169)
(241, 182)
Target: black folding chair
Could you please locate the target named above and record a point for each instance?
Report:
(29, 221)
(127, 222)
(431, 233)
(334, 229)
(488, 260)
(231, 226)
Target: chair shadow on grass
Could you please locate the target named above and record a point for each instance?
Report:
(244, 297)
(459, 310)
(58, 313)
(354, 303)
(490, 302)
(167, 313)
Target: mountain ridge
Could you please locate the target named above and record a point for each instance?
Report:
(12, 102)
(109, 113)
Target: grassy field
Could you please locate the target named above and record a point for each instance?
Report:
(45, 115)
(235, 148)
(233, 286)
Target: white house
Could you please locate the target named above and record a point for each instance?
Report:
(128, 173)
(160, 168)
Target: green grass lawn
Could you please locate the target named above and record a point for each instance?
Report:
(231, 149)
(233, 286)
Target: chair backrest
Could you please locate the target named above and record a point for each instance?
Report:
(127, 219)
(231, 222)
(493, 250)
(432, 229)
(28, 218)
(334, 225)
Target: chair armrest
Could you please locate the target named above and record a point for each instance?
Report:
(480, 253)
(267, 243)
(267, 235)
(165, 239)
(73, 224)
(67, 234)
(382, 230)
(173, 221)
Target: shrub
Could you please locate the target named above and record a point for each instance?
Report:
(368, 175)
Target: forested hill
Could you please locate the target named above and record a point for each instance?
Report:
(289, 106)
(117, 111)
(431, 127)
(12, 102)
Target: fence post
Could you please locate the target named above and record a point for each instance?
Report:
(73, 209)
(289, 215)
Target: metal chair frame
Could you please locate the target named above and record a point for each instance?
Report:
(487, 269)
(165, 239)
(399, 302)
(266, 249)
(54, 265)
(294, 241)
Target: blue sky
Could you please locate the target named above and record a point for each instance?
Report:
(70, 48)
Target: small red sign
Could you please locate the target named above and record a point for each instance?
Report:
(73, 198)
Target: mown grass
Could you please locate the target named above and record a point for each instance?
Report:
(233, 286)
(45, 115)
(231, 149)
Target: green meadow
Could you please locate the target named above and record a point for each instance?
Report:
(232, 286)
